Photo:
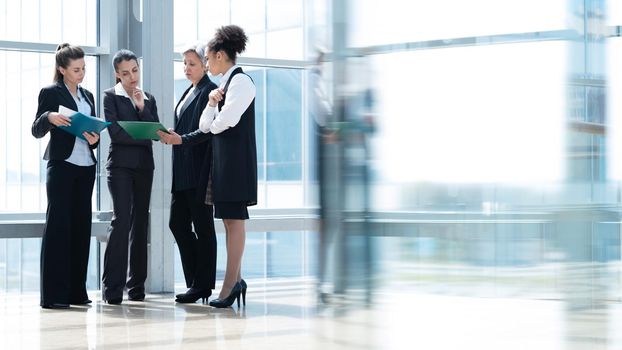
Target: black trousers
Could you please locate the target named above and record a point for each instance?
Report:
(197, 248)
(130, 190)
(67, 233)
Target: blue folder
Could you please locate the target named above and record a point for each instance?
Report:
(81, 123)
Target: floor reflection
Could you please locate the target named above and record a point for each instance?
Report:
(284, 315)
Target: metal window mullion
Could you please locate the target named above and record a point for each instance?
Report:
(6, 126)
(28, 46)
(265, 134)
(21, 265)
(266, 252)
(304, 113)
(21, 141)
(6, 265)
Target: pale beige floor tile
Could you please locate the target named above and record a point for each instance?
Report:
(285, 316)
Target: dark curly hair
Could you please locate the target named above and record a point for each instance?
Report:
(231, 39)
(64, 54)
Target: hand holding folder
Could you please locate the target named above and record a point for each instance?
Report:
(142, 130)
(81, 123)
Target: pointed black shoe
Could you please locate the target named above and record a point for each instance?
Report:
(55, 306)
(192, 295)
(228, 301)
(81, 302)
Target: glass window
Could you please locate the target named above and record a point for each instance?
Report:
(49, 21)
(283, 127)
(614, 12)
(284, 14)
(186, 19)
(19, 265)
(473, 114)
(21, 164)
(285, 254)
(268, 26)
(406, 21)
(614, 108)
(258, 76)
(286, 44)
(249, 14)
(212, 14)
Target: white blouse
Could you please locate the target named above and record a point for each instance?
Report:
(240, 94)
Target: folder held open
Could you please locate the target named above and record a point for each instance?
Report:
(142, 130)
(81, 123)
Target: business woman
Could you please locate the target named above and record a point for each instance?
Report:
(69, 184)
(230, 118)
(130, 175)
(192, 158)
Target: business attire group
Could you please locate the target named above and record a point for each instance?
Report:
(214, 169)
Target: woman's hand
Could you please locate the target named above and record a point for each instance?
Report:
(137, 96)
(172, 138)
(58, 119)
(91, 137)
(215, 96)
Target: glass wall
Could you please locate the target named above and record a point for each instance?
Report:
(22, 168)
(28, 26)
(492, 161)
(268, 23)
(49, 21)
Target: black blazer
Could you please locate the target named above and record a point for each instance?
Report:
(61, 143)
(126, 152)
(193, 158)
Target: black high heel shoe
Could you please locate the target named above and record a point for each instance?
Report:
(244, 286)
(192, 295)
(228, 301)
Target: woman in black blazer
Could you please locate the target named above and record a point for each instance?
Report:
(192, 158)
(130, 175)
(69, 184)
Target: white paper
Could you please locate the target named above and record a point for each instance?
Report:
(66, 111)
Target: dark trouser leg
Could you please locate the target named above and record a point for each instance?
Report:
(203, 220)
(180, 225)
(55, 245)
(120, 184)
(139, 232)
(81, 231)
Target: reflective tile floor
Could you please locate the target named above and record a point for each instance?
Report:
(285, 315)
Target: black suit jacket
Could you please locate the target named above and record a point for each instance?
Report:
(193, 158)
(61, 143)
(125, 151)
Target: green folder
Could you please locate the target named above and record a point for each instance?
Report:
(143, 130)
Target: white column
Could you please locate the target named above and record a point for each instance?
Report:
(157, 53)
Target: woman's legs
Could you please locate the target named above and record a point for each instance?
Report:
(236, 237)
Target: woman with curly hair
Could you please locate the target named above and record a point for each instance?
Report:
(230, 117)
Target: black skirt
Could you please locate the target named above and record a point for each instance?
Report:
(231, 210)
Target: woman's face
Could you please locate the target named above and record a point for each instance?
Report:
(193, 67)
(129, 74)
(74, 73)
(215, 62)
